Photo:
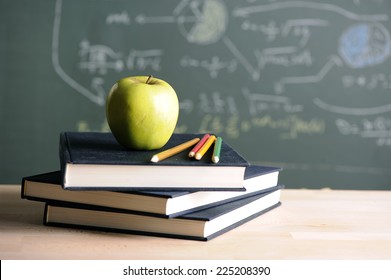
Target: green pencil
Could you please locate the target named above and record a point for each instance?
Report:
(216, 150)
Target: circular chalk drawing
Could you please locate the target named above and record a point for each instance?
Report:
(202, 21)
(364, 45)
(360, 46)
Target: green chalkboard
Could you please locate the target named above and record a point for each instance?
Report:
(305, 85)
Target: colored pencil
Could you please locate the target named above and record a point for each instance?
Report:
(216, 150)
(199, 145)
(174, 150)
(201, 152)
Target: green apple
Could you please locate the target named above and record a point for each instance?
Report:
(142, 112)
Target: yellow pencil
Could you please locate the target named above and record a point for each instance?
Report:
(201, 152)
(174, 150)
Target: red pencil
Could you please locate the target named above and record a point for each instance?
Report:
(199, 145)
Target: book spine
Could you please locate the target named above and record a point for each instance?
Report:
(22, 189)
(45, 215)
(64, 155)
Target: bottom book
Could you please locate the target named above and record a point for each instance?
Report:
(201, 225)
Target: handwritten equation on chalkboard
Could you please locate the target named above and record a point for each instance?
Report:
(296, 71)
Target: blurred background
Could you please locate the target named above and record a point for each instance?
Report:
(305, 85)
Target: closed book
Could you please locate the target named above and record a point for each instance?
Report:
(47, 187)
(93, 160)
(201, 225)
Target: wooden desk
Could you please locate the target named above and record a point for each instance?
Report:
(310, 224)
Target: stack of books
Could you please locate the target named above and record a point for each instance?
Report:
(103, 186)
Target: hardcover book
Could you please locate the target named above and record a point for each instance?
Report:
(47, 187)
(92, 160)
(201, 225)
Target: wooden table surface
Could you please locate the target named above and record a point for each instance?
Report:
(310, 224)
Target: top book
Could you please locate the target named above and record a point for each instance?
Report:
(93, 160)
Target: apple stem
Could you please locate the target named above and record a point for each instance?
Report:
(150, 76)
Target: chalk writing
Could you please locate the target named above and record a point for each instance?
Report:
(213, 65)
(121, 18)
(370, 82)
(99, 58)
(287, 57)
(289, 128)
(300, 28)
(292, 125)
(186, 105)
(378, 129)
(216, 103)
(146, 59)
(261, 103)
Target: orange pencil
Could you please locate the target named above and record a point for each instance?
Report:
(199, 145)
(174, 150)
(201, 152)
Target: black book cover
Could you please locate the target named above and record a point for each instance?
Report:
(85, 212)
(96, 150)
(50, 191)
(102, 148)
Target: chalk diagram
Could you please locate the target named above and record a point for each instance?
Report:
(365, 43)
(200, 22)
(361, 45)
(95, 93)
